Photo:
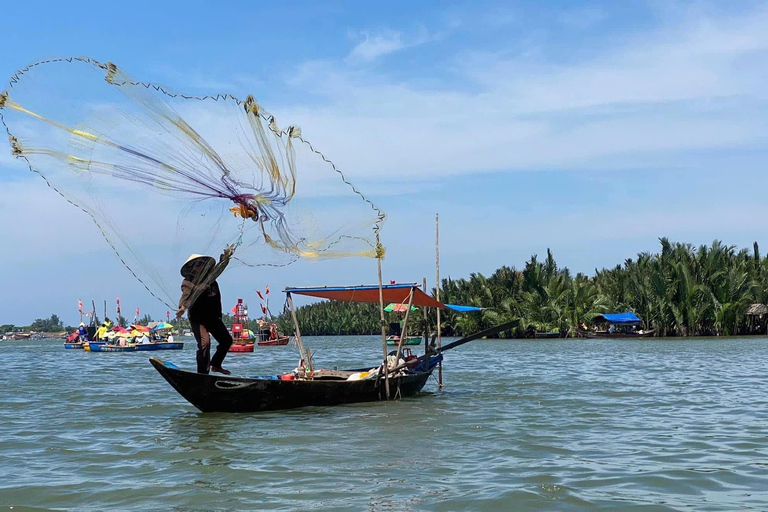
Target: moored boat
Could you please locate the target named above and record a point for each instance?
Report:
(621, 325)
(74, 345)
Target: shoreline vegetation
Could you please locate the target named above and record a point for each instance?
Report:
(681, 291)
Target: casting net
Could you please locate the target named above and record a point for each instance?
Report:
(165, 175)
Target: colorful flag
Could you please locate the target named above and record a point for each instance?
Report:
(259, 294)
(79, 305)
(168, 315)
(118, 305)
(263, 309)
(234, 310)
(267, 289)
(137, 312)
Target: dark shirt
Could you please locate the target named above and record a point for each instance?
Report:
(207, 305)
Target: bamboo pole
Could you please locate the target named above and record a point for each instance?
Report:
(105, 311)
(404, 331)
(437, 296)
(426, 323)
(302, 352)
(381, 311)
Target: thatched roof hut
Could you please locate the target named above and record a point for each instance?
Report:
(757, 310)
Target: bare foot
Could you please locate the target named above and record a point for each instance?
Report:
(220, 370)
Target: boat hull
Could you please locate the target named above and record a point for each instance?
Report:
(92, 346)
(241, 347)
(163, 345)
(281, 340)
(215, 393)
(103, 347)
(73, 345)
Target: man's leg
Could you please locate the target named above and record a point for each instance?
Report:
(219, 331)
(203, 346)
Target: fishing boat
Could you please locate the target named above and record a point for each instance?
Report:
(308, 386)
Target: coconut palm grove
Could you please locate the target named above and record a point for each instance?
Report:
(681, 290)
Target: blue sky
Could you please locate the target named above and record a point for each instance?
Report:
(592, 128)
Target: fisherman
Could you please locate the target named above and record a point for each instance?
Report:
(200, 296)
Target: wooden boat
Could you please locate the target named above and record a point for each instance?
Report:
(409, 340)
(242, 347)
(551, 334)
(107, 347)
(305, 386)
(159, 345)
(92, 346)
(280, 340)
(217, 393)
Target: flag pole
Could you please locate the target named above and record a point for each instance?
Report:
(437, 296)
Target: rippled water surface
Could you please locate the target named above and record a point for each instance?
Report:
(520, 425)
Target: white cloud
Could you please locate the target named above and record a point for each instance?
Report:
(376, 45)
(695, 84)
(371, 46)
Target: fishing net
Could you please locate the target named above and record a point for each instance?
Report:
(165, 175)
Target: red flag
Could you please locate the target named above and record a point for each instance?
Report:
(118, 305)
(79, 305)
(392, 282)
(267, 289)
(263, 309)
(168, 315)
(137, 311)
(234, 310)
(259, 294)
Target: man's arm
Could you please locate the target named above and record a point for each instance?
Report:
(222, 265)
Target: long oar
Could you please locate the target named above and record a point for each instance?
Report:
(482, 334)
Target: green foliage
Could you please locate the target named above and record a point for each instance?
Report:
(145, 320)
(7, 328)
(52, 324)
(680, 291)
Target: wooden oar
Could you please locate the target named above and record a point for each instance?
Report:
(482, 334)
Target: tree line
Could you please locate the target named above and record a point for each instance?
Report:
(681, 290)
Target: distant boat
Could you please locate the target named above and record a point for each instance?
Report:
(106, 347)
(159, 345)
(271, 342)
(623, 325)
(409, 340)
(550, 334)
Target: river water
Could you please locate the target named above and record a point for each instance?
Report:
(520, 425)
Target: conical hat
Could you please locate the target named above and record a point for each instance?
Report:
(187, 264)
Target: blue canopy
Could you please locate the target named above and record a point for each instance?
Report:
(463, 309)
(618, 318)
